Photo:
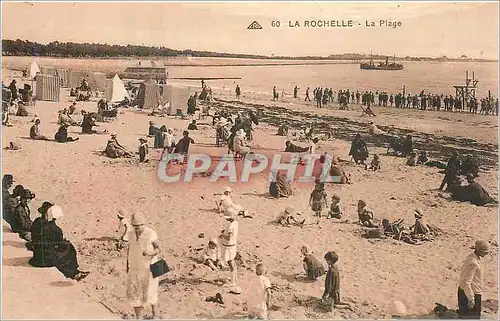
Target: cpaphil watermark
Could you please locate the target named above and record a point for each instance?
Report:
(300, 168)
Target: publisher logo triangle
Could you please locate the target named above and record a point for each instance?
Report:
(254, 25)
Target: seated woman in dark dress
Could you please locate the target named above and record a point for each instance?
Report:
(49, 246)
(62, 135)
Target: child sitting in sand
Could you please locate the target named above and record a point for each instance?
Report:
(259, 294)
(375, 164)
(335, 209)
(366, 217)
(412, 160)
(212, 255)
(312, 266)
(318, 199)
(286, 219)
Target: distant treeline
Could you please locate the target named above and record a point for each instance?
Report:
(90, 50)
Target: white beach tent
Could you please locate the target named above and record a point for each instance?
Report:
(34, 69)
(115, 90)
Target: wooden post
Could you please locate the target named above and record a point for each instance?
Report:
(404, 90)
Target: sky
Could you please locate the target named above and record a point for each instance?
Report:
(428, 29)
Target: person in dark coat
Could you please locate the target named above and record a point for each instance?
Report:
(191, 105)
(40, 239)
(10, 203)
(159, 141)
(62, 135)
(21, 218)
(13, 90)
(88, 123)
(477, 194)
(152, 130)
(7, 182)
(49, 246)
(452, 170)
(182, 146)
(359, 150)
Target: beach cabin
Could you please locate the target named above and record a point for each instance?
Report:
(47, 88)
(177, 97)
(149, 95)
(95, 80)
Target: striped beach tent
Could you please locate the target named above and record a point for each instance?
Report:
(47, 87)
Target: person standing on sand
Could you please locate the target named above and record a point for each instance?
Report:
(260, 294)
(143, 150)
(142, 288)
(127, 229)
(229, 240)
(317, 200)
(307, 95)
(238, 91)
(275, 93)
(471, 282)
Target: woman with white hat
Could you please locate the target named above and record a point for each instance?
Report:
(471, 282)
(142, 288)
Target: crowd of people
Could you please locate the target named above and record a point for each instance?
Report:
(46, 240)
(423, 100)
(43, 237)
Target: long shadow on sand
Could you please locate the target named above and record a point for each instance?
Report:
(17, 261)
(61, 284)
(292, 277)
(16, 244)
(345, 129)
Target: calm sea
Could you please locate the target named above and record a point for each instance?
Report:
(434, 77)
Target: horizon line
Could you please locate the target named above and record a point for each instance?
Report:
(256, 56)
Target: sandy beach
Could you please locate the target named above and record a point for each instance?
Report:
(91, 188)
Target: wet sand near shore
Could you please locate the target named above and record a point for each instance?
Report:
(91, 188)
